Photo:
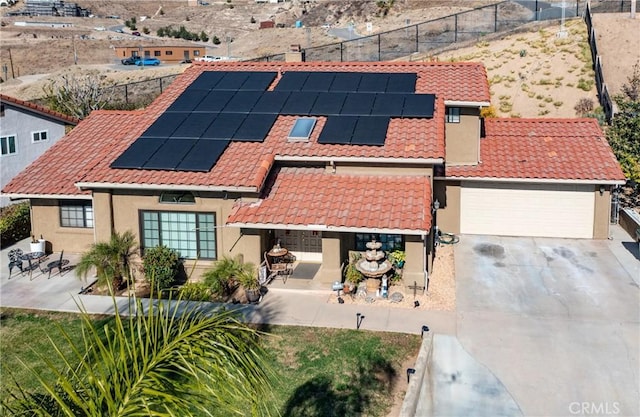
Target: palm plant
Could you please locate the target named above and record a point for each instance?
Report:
(222, 276)
(111, 260)
(175, 360)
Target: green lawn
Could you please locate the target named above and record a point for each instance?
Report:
(320, 372)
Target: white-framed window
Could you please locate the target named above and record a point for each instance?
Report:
(76, 214)
(453, 114)
(39, 136)
(191, 234)
(8, 145)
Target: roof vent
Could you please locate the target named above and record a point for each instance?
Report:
(302, 129)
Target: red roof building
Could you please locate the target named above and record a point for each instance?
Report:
(392, 151)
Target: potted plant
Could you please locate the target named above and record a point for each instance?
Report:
(37, 245)
(398, 258)
(248, 278)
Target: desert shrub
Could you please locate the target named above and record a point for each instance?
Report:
(505, 106)
(15, 223)
(585, 85)
(488, 112)
(161, 266)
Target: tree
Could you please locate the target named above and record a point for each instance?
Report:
(111, 260)
(204, 37)
(172, 360)
(624, 133)
(78, 95)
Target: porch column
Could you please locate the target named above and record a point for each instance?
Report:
(103, 216)
(330, 270)
(413, 270)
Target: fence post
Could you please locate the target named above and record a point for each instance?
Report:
(455, 32)
(417, 42)
(160, 85)
(379, 55)
(495, 18)
(536, 11)
(341, 49)
(126, 94)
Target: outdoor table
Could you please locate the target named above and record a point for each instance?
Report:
(32, 256)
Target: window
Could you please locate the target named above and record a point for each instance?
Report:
(76, 214)
(453, 114)
(302, 128)
(389, 242)
(8, 145)
(39, 136)
(196, 53)
(192, 235)
(177, 198)
(168, 52)
(157, 53)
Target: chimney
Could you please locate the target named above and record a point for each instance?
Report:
(295, 54)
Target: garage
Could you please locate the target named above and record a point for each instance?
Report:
(518, 209)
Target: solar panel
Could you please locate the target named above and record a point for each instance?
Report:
(188, 100)
(225, 126)
(207, 80)
(318, 81)
(203, 155)
(358, 104)
(338, 130)
(299, 103)
(138, 153)
(402, 83)
(215, 101)
(165, 125)
(271, 102)
(232, 80)
(292, 81)
(370, 130)
(242, 102)
(328, 103)
(255, 127)
(258, 81)
(169, 155)
(418, 105)
(373, 83)
(388, 105)
(346, 81)
(194, 125)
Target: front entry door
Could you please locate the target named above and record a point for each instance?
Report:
(304, 244)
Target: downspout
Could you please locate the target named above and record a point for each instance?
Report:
(425, 245)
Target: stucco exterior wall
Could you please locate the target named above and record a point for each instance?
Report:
(45, 220)
(387, 169)
(602, 215)
(463, 139)
(448, 195)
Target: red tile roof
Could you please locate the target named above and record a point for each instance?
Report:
(35, 108)
(548, 149)
(238, 167)
(312, 196)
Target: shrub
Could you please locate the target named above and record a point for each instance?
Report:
(195, 291)
(221, 279)
(215, 40)
(161, 266)
(488, 112)
(584, 106)
(15, 223)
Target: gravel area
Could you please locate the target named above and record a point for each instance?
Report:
(441, 295)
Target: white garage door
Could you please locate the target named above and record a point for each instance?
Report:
(527, 210)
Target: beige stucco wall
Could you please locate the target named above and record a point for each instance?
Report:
(379, 169)
(602, 214)
(230, 241)
(448, 216)
(463, 139)
(45, 220)
(416, 261)
(331, 258)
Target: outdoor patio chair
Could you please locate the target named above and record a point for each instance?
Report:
(280, 269)
(15, 260)
(58, 264)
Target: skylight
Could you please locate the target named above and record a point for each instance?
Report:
(302, 129)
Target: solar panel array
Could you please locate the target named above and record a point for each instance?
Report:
(223, 106)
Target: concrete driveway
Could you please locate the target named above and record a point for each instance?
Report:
(557, 321)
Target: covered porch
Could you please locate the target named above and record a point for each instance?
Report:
(319, 217)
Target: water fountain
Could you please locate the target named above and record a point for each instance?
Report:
(374, 263)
